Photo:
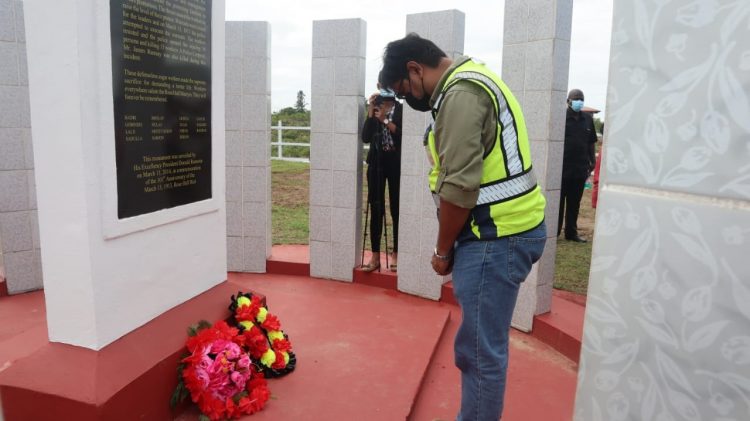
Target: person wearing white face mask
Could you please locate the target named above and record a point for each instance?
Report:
(579, 158)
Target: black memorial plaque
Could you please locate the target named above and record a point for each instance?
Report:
(161, 78)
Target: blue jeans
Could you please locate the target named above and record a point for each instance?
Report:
(486, 278)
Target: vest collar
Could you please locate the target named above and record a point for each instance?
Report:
(438, 93)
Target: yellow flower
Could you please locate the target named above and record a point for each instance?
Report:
(262, 314)
(275, 334)
(286, 357)
(243, 301)
(268, 358)
(247, 324)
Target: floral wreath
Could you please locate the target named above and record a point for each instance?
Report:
(219, 375)
(270, 345)
(225, 367)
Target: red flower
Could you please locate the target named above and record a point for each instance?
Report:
(271, 323)
(193, 384)
(245, 313)
(282, 345)
(220, 330)
(213, 409)
(280, 362)
(258, 394)
(231, 408)
(248, 312)
(256, 380)
(256, 302)
(256, 400)
(240, 340)
(256, 341)
(245, 406)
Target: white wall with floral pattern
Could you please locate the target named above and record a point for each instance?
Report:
(667, 329)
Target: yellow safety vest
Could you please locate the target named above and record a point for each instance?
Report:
(510, 200)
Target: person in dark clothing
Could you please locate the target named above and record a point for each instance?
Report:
(578, 160)
(382, 130)
(597, 167)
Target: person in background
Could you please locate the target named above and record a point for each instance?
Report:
(578, 162)
(382, 130)
(595, 190)
(491, 209)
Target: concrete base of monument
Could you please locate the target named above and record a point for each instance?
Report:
(132, 378)
(291, 259)
(382, 278)
(295, 260)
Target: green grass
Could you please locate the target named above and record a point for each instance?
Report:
(290, 198)
(573, 260)
(572, 266)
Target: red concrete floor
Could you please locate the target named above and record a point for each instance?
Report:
(534, 365)
(541, 382)
(24, 326)
(540, 387)
(561, 328)
(364, 352)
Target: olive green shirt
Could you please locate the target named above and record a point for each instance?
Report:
(465, 129)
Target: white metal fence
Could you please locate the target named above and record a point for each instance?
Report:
(277, 147)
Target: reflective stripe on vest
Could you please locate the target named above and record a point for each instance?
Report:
(510, 200)
(506, 189)
(510, 134)
(519, 181)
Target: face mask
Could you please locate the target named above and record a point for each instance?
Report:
(419, 104)
(576, 105)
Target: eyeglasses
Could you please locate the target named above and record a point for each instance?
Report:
(400, 89)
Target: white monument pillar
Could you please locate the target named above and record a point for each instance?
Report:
(20, 262)
(666, 334)
(132, 220)
(337, 108)
(418, 224)
(536, 56)
(248, 130)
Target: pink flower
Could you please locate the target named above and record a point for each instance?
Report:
(233, 351)
(202, 376)
(228, 349)
(204, 363)
(243, 362)
(237, 378)
(218, 387)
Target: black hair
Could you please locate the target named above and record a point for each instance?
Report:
(410, 48)
(576, 93)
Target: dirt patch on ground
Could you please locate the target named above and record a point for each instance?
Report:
(290, 187)
(526, 344)
(586, 216)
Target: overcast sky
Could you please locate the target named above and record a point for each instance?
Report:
(291, 45)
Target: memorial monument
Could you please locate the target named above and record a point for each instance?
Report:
(127, 109)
